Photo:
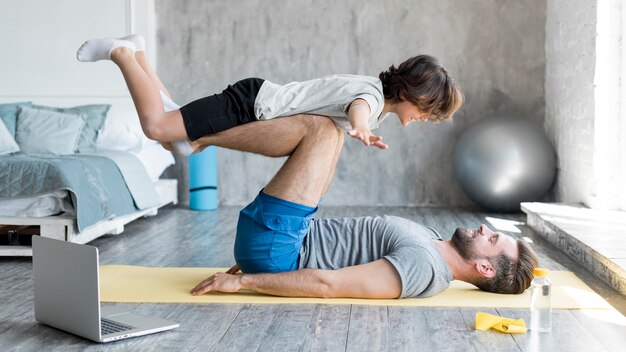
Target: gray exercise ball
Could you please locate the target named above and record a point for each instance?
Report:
(500, 162)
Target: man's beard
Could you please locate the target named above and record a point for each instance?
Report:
(464, 244)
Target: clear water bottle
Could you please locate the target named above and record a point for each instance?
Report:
(540, 301)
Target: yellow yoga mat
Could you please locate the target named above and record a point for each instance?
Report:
(136, 284)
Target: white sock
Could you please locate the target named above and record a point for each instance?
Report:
(100, 49)
(168, 104)
(137, 39)
(182, 146)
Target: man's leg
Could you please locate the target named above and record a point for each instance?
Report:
(306, 175)
(313, 144)
(331, 174)
(274, 138)
(272, 227)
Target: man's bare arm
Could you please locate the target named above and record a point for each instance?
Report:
(377, 279)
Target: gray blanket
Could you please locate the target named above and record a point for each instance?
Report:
(98, 188)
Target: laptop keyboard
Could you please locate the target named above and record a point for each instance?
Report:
(112, 327)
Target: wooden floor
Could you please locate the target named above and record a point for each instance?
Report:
(179, 237)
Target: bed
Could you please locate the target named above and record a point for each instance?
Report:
(82, 195)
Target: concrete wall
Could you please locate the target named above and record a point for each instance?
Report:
(569, 89)
(494, 49)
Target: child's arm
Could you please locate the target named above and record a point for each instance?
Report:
(358, 114)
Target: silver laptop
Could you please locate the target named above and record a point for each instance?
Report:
(67, 295)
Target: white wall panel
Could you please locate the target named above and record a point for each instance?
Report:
(40, 38)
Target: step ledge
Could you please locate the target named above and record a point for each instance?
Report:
(594, 238)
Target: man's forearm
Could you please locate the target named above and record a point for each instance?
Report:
(299, 283)
(378, 279)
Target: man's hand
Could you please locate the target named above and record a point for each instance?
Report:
(365, 135)
(233, 269)
(220, 282)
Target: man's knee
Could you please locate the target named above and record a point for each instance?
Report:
(320, 127)
(322, 124)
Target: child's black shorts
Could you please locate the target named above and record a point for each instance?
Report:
(219, 112)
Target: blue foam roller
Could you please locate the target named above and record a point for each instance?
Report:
(203, 180)
(205, 199)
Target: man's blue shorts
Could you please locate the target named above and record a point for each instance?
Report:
(270, 232)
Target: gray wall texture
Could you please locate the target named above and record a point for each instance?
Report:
(570, 103)
(493, 48)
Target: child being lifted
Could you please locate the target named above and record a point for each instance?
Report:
(419, 89)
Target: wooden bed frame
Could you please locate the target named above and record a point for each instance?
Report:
(63, 227)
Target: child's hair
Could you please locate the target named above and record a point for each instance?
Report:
(423, 81)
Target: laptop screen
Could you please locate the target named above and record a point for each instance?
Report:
(65, 277)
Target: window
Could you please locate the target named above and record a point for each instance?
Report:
(609, 159)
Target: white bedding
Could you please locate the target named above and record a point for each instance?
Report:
(154, 158)
(40, 206)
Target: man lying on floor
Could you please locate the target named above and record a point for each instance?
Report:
(283, 251)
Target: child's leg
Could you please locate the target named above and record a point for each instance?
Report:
(184, 146)
(140, 55)
(155, 122)
(180, 146)
(147, 68)
(206, 116)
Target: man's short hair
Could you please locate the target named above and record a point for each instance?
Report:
(424, 82)
(512, 276)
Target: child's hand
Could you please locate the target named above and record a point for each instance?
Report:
(366, 136)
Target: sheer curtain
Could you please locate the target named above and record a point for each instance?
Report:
(622, 127)
(608, 189)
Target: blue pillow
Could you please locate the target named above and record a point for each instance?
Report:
(8, 114)
(95, 115)
(7, 142)
(49, 132)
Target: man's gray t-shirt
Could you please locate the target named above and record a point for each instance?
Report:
(408, 246)
(327, 96)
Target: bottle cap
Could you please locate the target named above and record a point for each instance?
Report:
(541, 272)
